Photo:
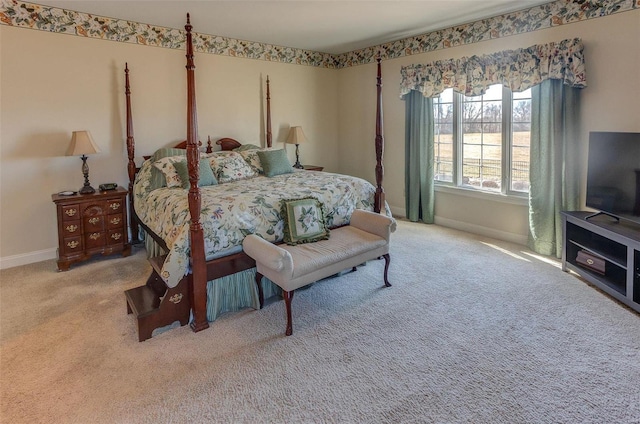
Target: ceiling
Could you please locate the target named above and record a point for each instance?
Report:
(329, 26)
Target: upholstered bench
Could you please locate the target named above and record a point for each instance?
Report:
(291, 267)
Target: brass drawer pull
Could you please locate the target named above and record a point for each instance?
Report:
(94, 221)
(71, 228)
(71, 212)
(115, 206)
(116, 236)
(94, 236)
(73, 244)
(115, 221)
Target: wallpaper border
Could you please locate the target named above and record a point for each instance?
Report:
(560, 12)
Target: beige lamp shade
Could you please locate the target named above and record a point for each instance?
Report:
(296, 136)
(82, 144)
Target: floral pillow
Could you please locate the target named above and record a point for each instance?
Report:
(253, 159)
(166, 166)
(157, 176)
(230, 166)
(304, 221)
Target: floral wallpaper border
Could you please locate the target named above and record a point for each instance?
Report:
(560, 12)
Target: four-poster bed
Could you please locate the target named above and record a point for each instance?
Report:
(202, 239)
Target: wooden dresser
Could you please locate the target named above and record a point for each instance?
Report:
(89, 224)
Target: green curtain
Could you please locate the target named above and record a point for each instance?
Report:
(419, 158)
(555, 163)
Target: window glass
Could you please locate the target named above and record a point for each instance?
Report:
(489, 135)
(521, 141)
(443, 136)
(482, 140)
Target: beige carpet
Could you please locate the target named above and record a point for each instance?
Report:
(472, 331)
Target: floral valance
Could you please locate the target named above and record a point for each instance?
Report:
(517, 69)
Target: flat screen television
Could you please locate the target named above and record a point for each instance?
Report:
(613, 174)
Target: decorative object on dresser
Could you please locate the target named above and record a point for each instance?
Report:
(91, 224)
(82, 144)
(108, 186)
(296, 136)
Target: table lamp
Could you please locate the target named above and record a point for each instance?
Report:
(296, 136)
(82, 145)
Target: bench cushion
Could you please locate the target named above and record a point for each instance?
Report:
(292, 267)
(345, 242)
(347, 247)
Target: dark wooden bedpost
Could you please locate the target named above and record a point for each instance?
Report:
(268, 114)
(131, 166)
(198, 276)
(379, 197)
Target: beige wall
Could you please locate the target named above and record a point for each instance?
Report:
(53, 84)
(611, 102)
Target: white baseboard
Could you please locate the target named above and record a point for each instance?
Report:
(28, 258)
(470, 228)
(482, 231)
(398, 211)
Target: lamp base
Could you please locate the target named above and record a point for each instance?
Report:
(87, 190)
(297, 164)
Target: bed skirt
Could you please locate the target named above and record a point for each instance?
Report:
(235, 292)
(229, 293)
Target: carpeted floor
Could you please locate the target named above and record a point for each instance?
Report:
(473, 331)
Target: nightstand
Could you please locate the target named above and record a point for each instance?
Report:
(312, 168)
(89, 224)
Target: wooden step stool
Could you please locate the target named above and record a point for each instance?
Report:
(155, 305)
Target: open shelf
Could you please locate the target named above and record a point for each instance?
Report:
(636, 276)
(614, 252)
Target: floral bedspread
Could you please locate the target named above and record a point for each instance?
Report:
(234, 209)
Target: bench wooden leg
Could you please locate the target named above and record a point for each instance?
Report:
(387, 259)
(260, 293)
(288, 296)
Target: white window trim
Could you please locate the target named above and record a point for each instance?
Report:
(470, 192)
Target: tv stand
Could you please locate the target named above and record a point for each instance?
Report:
(593, 215)
(613, 249)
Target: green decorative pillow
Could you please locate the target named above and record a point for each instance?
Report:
(275, 162)
(244, 147)
(303, 221)
(205, 174)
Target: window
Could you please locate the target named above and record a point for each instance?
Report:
(482, 142)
